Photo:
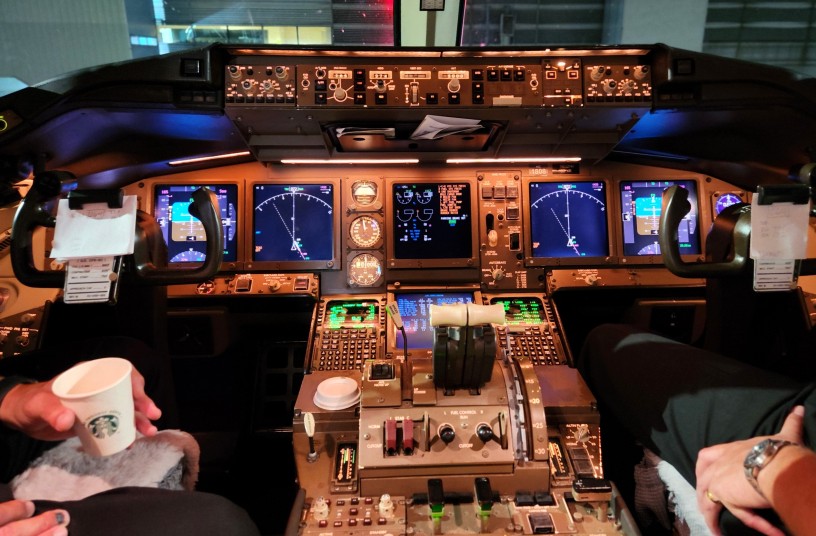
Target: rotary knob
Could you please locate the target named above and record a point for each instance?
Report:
(447, 433)
(484, 432)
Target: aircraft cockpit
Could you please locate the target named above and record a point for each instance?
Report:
(373, 268)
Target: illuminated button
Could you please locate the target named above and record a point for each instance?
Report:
(432, 98)
(518, 75)
(359, 98)
(320, 98)
(506, 75)
(477, 74)
(338, 524)
(454, 98)
(492, 75)
(320, 85)
(322, 523)
(367, 521)
(382, 521)
(380, 98)
(487, 191)
(243, 285)
(352, 522)
(301, 283)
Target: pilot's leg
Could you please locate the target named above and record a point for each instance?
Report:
(676, 399)
(157, 512)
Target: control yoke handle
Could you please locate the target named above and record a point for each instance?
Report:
(204, 207)
(32, 213)
(675, 207)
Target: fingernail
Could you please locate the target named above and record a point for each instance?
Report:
(29, 508)
(61, 517)
(65, 421)
(799, 411)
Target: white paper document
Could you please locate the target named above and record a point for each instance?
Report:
(95, 230)
(436, 126)
(89, 280)
(778, 238)
(779, 231)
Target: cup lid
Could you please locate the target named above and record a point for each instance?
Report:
(337, 393)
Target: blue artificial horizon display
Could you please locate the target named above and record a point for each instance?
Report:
(641, 205)
(183, 233)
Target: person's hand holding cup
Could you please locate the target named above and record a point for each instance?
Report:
(100, 393)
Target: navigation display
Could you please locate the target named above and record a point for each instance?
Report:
(183, 233)
(351, 314)
(415, 312)
(293, 222)
(568, 219)
(641, 204)
(431, 221)
(526, 310)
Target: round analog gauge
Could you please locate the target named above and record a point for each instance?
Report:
(364, 192)
(365, 270)
(726, 200)
(365, 232)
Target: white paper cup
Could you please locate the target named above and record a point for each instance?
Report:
(99, 392)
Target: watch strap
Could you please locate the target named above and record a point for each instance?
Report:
(760, 456)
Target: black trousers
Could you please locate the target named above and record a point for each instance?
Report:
(676, 399)
(150, 511)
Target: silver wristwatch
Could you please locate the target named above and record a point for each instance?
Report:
(760, 456)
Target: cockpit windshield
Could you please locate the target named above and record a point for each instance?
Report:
(88, 33)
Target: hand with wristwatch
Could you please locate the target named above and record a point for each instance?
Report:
(759, 473)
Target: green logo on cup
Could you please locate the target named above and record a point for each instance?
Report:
(103, 426)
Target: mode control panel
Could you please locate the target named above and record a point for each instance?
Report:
(506, 81)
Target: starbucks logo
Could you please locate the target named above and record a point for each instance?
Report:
(103, 426)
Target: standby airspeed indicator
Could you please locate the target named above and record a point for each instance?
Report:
(365, 232)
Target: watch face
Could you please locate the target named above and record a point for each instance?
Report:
(756, 452)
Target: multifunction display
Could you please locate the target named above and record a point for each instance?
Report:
(432, 221)
(293, 222)
(641, 204)
(184, 233)
(568, 219)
